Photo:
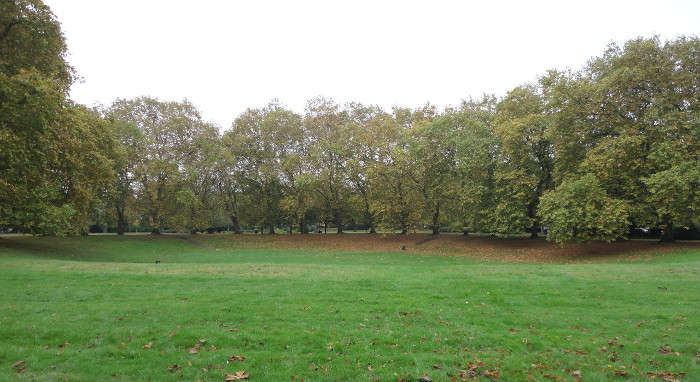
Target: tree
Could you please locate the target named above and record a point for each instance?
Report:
(170, 147)
(31, 40)
(297, 176)
(629, 115)
(54, 155)
(525, 159)
(397, 203)
(580, 210)
(367, 134)
(197, 196)
(327, 134)
(121, 193)
(266, 143)
(433, 148)
(230, 180)
(475, 150)
(85, 148)
(675, 193)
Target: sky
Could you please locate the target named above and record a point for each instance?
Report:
(227, 56)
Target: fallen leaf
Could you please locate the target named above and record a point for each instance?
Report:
(174, 368)
(492, 373)
(240, 375)
(236, 358)
(668, 377)
(148, 345)
(667, 350)
(18, 364)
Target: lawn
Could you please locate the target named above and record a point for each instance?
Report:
(346, 308)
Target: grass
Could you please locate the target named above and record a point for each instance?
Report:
(327, 308)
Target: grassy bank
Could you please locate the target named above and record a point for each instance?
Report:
(345, 308)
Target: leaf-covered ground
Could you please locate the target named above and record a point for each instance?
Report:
(479, 247)
(346, 308)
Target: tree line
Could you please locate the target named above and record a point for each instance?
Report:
(585, 154)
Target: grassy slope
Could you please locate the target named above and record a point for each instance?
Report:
(99, 308)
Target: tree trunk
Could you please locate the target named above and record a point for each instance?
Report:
(531, 214)
(272, 229)
(338, 222)
(121, 221)
(465, 232)
(436, 219)
(370, 215)
(155, 229)
(667, 231)
(303, 227)
(236, 225)
(533, 234)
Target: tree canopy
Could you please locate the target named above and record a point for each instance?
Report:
(582, 154)
(54, 155)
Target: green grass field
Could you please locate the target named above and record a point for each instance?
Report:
(356, 308)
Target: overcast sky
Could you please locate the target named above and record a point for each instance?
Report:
(226, 56)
